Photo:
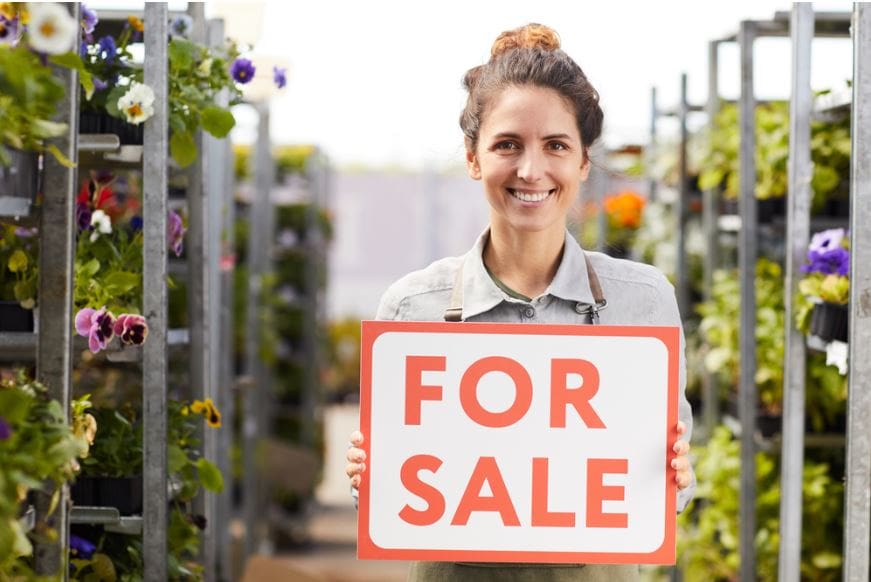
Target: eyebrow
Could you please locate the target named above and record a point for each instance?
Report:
(511, 135)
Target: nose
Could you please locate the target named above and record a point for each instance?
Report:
(531, 166)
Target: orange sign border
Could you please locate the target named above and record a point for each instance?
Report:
(366, 547)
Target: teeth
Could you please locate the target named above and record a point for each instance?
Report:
(530, 197)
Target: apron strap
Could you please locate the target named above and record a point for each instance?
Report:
(454, 312)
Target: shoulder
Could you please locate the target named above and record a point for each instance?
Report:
(427, 287)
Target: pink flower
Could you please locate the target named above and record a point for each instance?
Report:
(131, 328)
(96, 326)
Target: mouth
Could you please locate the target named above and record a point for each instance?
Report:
(531, 197)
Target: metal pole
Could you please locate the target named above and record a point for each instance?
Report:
(154, 369)
(747, 251)
(800, 172)
(54, 351)
(682, 278)
(710, 405)
(258, 239)
(651, 153)
(857, 501)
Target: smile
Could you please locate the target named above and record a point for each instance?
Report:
(530, 196)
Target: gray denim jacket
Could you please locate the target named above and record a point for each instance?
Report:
(637, 294)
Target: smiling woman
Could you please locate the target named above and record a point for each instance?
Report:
(529, 121)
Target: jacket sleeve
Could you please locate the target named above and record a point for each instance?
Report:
(670, 315)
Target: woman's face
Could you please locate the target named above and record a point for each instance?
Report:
(530, 159)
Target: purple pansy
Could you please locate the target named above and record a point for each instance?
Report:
(83, 216)
(242, 70)
(99, 84)
(8, 30)
(95, 325)
(279, 76)
(89, 19)
(181, 26)
(136, 223)
(108, 50)
(131, 328)
(81, 548)
(835, 261)
(5, 429)
(175, 232)
(826, 240)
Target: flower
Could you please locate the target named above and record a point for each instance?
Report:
(83, 216)
(5, 429)
(242, 70)
(8, 30)
(624, 209)
(181, 26)
(279, 76)
(137, 104)
(51, 29)
(101, 223)
(209, 411)
(95, 325)
(836, 355)
(826, 240)
(89, 19)
(136, 23)
(131, 328)
(85, 427)
(99, 84)
(108, 51)
(81, 548)
(833, 262)
(175, 232)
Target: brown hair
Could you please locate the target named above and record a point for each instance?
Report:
(530, 55)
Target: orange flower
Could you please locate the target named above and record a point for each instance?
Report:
(136, 23)
(624, 209)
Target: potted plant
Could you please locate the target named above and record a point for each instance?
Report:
(825, 292)
(37, 446)
(624, 211)
(19, 268)
(29, 94)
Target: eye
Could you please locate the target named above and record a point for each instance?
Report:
(506, 145)
(558, 146)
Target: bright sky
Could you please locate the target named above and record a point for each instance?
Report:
(378, 82)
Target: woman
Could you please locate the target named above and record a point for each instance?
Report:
(529, 121)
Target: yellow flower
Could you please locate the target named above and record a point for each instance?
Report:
(209, 411)
(136, 23)
(7, 10)
(85, 427)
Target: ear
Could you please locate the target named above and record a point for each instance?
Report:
(585, 169)
(472, 166)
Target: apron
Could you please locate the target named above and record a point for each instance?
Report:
(518, 572)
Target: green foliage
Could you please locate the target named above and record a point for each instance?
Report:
(830, 152)
(108, 271)
(708, 532)
(19, 265)
(29, 95)
(38, 452)
(719, 326)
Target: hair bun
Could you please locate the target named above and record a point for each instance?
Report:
(531, 36)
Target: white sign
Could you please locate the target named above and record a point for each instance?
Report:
(518, 443)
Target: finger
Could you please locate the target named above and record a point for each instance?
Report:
(354, 469)
(681, 448)
(357, 438)
(355, 455)
(681, 464)
(355, 481)
(681, 427)
(683, 479)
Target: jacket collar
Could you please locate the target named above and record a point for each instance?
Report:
(480, 293)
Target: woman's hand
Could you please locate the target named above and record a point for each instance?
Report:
(681, 462)
(356, 459)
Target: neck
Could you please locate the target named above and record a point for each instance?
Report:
(525, 261)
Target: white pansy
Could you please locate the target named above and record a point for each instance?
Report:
(836, 355)
(102, 224)
(51, 29)
(137, 104)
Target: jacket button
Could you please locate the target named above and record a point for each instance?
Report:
(580, 307)
(529, 312)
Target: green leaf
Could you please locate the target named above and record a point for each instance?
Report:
(72, 61)
(210, 476)
(176, 459)
(62, 159)
(183, 148)
(121, 282)
(112, 100)
(217, 121)
(182, 52)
